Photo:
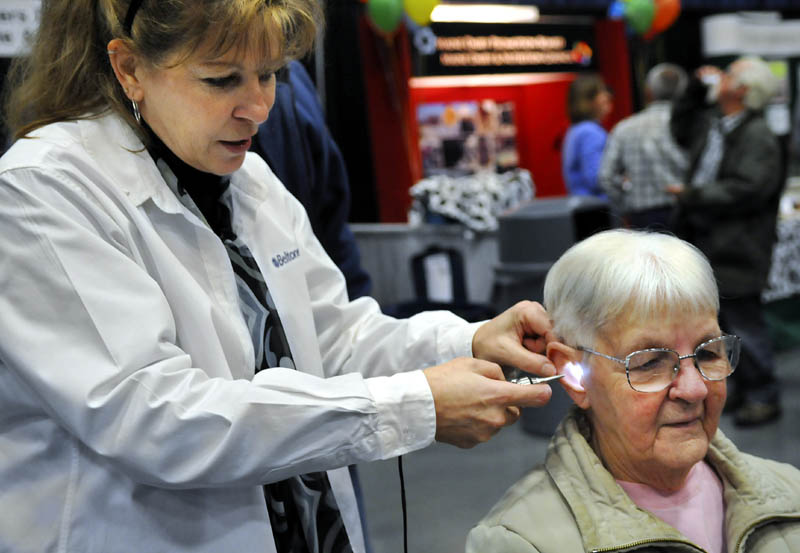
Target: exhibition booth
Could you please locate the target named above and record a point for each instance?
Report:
(454, 98)
(454, 101)
(457, 97)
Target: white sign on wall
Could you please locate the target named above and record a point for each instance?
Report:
(764, 34)
(19, 20)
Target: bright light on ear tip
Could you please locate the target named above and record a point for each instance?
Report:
(484, 13)
(574, 372)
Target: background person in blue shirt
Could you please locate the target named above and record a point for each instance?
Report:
(589, 101)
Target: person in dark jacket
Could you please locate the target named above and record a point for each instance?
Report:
(728, 208)
(296, 144)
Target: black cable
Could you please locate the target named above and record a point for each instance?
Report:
(403, 503)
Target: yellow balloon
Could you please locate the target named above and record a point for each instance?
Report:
(420, 10)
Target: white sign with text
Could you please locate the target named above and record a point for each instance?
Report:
(19, 20)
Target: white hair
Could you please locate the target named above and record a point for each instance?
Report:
(754, 73)
(626, 276)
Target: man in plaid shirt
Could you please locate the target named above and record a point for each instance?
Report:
(641, 158)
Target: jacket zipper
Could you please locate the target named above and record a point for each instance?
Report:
(645, 542)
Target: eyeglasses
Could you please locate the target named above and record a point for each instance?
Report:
(652, 370)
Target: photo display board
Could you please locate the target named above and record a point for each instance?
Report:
(467, 136)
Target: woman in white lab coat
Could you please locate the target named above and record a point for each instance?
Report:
(151, 268)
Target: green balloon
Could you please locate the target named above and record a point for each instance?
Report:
(639, 14)
(385, 14)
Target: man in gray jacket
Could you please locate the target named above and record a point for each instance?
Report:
(728, 208)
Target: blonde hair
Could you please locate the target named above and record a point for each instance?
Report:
(68, 74)
(626, 276)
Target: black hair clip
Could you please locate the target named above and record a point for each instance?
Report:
(133, 7)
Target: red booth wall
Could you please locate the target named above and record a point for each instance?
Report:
(539, 106)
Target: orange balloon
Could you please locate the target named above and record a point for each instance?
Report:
(667, 12)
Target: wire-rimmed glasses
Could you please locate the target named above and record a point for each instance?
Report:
(653, 369)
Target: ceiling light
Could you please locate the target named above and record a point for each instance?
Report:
(484, 13)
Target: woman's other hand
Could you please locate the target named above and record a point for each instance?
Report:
(518, 337)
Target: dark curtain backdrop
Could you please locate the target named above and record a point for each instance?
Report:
(346, 110)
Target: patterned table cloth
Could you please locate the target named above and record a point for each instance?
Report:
(784, 275)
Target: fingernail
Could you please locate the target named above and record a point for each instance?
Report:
(548, 369)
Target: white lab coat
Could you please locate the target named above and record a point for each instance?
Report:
(130, 417)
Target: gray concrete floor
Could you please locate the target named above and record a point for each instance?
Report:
(448, 489)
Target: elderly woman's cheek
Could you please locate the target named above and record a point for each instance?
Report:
(715, 401)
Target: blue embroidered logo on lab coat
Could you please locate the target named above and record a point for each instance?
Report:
(282, 259)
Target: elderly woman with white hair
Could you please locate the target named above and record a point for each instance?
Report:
(728, 208)
(639, 464)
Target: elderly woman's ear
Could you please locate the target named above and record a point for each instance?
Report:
(567, 361)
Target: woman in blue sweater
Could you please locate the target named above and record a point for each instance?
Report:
(588, 102)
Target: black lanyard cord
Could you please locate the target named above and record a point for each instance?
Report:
(403, 503)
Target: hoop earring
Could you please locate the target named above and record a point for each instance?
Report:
(136, 114)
